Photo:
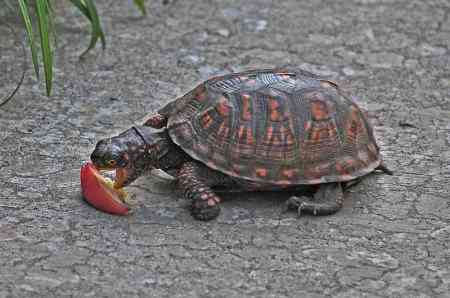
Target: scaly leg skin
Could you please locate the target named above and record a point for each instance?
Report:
(195, 181)
(327, 200)
(156, 121)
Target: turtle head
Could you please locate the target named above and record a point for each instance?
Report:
(131, 153)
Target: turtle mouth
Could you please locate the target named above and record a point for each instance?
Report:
(119, 176)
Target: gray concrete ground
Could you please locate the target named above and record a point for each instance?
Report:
(390, 240)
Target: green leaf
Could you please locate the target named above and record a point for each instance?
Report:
(141, 5)
(51, 19)
(42, 13)
(96, 27)
(88, 9)
(27, 20)
(80, 5)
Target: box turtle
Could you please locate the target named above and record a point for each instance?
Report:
(268, 129)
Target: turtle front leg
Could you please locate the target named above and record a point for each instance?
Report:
(327, 200)
(195, 181)
(156, 121)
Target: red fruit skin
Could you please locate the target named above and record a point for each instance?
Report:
(97, 194)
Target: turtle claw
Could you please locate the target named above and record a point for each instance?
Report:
(299, 203)
(304, 206)
(299, 211)
(201, 210)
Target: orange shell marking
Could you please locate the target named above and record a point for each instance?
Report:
(319, 110)
(200, 94)
(275, 114)
(245, 135)
(246, 113)
(206, 120)
(290, 173)
(223, 130)
(261, 172)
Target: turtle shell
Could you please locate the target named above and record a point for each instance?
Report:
(274, 126)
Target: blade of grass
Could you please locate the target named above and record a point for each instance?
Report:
(96, 27)
(81, 8)
(141, 5)
(29, 29)
(47, 55)
(51, 19)
(88, 9)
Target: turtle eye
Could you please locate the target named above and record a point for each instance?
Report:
(112, 163)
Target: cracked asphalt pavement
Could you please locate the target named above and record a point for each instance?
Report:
(391, 239)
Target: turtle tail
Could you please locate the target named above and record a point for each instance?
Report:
(382, 167)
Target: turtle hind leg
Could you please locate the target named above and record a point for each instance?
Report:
(156, 121)
(327, 200)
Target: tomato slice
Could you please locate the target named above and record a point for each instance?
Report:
(100, 193)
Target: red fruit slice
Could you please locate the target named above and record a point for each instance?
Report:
(100, 193)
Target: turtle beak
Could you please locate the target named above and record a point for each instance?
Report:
(122, 175)
(121, 178)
